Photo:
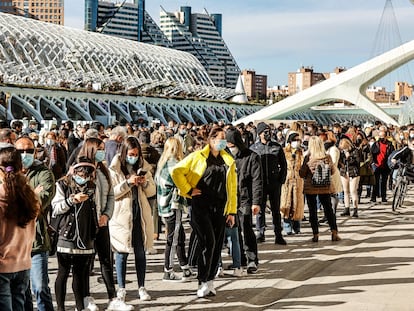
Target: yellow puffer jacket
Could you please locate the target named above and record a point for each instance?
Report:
(187, 173)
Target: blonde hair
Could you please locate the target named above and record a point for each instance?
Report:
(173, 149)
(316, 148)
(345, 144)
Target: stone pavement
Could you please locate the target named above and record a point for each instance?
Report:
(372, 268)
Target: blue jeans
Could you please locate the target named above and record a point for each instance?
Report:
(13, 288)
(139, 257)
(232, 235)
(39, 280)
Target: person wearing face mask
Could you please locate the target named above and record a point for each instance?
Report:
(57, 155)
(292, 201)
(249, 197)
(406, 156)
(19, 207)
(274, 170)
(131, 226)
(74, 206)
(187, 140)
(94, 150)
(42, 180)
(208, 177)
(349, 168)
(367, 177)
(381, 150)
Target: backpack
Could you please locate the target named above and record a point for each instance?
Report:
(321, 176)
(390, 157)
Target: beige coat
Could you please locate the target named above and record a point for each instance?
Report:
(292, 199)
(336, 176)
(120, 225)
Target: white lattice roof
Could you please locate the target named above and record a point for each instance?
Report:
(38, 53)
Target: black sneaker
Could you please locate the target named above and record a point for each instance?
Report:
(252, 268)
(188, 274)
(280, 240)
(260, 238)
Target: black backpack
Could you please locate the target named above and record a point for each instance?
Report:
(321, 176)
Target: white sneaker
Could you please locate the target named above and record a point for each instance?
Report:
(121, 293)
(203, 290)
(89, 304)
(117, 304)
(143, 295)
(151, 251)
(238, 272)
(211, 288)
(220, 272)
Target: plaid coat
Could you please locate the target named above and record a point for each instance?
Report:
(167, 193)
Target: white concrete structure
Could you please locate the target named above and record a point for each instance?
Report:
(350, 86)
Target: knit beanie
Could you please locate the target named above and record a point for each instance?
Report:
(261, 127)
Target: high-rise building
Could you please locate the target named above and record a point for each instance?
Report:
(127, 20)
(198, 34)
(201, 35)
(255, 85)
(51, 11)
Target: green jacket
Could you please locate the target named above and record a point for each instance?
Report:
(39, 174)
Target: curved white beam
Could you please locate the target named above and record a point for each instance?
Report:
(349, 85)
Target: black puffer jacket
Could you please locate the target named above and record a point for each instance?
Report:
(274, 166)
(249, 174)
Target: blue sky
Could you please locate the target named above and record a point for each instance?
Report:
(275, 37)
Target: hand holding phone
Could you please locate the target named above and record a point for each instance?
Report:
(141, 172)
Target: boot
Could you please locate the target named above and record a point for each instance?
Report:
(355, 213)
(335, 236)
(346, 212)
(315, 238)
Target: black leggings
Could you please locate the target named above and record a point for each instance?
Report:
(80, 271)
(103, 248)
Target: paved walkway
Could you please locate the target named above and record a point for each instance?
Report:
(372, 268)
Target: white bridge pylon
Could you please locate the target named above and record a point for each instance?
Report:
(349, 85)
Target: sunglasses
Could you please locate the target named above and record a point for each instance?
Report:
(21, 151)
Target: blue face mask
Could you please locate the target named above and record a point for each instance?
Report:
(27, 159)
(221, 144)
(100, 155)
(80, 180)
(131, 160)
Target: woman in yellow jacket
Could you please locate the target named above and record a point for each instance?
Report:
(208, 176)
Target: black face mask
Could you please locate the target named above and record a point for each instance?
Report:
(267, 136)
(305, 145)
(358, 141)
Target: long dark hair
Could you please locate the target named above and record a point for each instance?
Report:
(22, 203)
(130, 142)
(88, 150)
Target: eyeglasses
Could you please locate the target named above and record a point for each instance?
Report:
(21, 151)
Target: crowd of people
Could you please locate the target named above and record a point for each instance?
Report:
(75, 192)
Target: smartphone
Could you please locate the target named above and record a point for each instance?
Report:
(141, 172)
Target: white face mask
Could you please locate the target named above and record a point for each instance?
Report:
(294, 144)
(371, 143)
(234, 150)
